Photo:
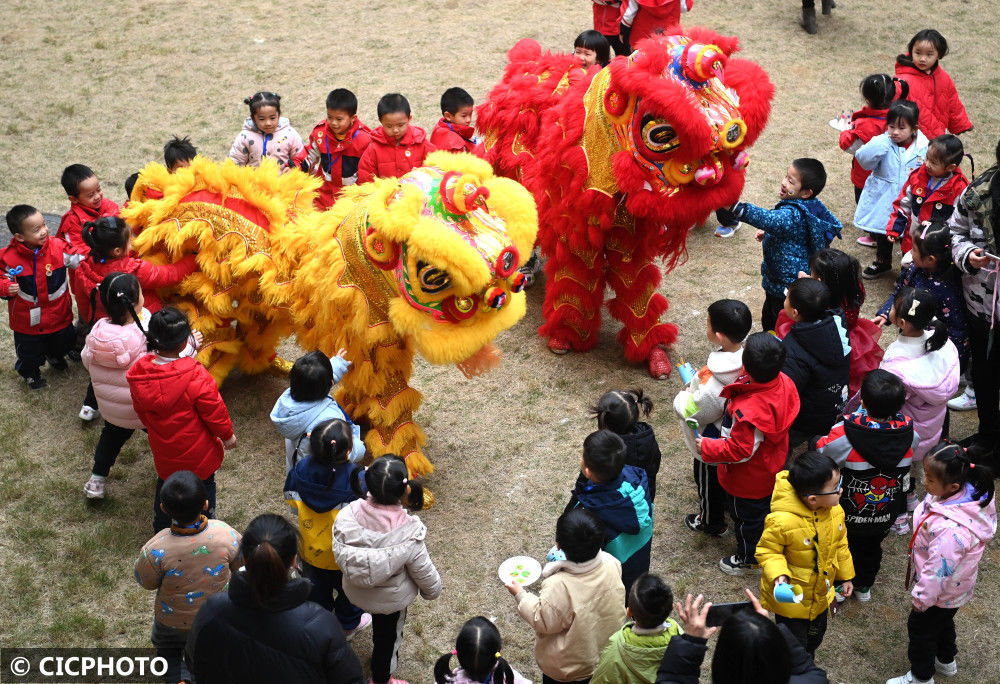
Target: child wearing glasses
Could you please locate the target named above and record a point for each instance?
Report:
(804, 544)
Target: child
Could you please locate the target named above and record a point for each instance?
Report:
(307, 402)
(39, 311)
(607, 15)
(729, 322)
(86, 203)
(805, 544)
(265, 134)
(186, 563)
(878, 92)
(941, 110)
(760, 407)
(591, 47)
(927, 362)
(177, 154)
(956, 520)
(818, 360)
(891, 157)
(179, 403)
(397, 146)
(317, 488)
(932, 272)
(618, 494)
(619, 411)
(798, 226)
(974, 225)
(380, 550)
(873, 447)
(454, 131)
(335, 147)
(841, 273)
(579, 605)
(634, 652)
(642, 19)
(478, 651)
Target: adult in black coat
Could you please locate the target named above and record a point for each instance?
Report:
(264, 629)
(751, 650)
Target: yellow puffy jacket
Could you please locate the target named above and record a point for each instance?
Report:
(810, 547)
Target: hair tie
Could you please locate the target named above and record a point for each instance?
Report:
(971, 466)
(405, 480)
(497, 654)
(454, 651)
(923, 234)
(913, 307)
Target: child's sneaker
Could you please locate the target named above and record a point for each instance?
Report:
(908, 678)
(88, 414)
(94, 489)
(866, 240)
(906, 260)
(693, 522)
(946, 669)
(901, 526)
(875, 270)
(727, 231)
(366, 621)
(57, 363)
(731, 565)
(863, 594)
(36, 383)
(966, 401)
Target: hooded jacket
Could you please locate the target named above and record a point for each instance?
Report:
(947, 545)
(930, 378)
(289, 639)
(453, 137)
(41, 275)
(71, 225)
(754, 442)
(633, 658)
(793, 231)
(317, 494)
(381, 551)
(251, 145)
(151, 278)
(338, 159)
(809, 547)
(972, 228)
(874, 458)
(109, 352)
(624, 508)
(385, 158)
(925, 199)
(702, 399)
(642, 451)
(578, 608)
(890, 166)
(941, 110)
(866, 123)
(819, 363)
(180, 405)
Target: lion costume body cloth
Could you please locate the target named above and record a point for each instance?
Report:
(623, 161)
(426, 264)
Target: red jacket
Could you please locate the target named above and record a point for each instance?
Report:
(866, 123)
(338, 159)
(386, 158)
(151, 277)
(455, 137)
(941, 110)
(654, 16)
(607, 17)
(41, 275)
(754, 443)
(71, 226)
(931, 204)
(180, 405)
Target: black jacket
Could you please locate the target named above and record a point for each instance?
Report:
(642, 451)
(682, 662)
(291, 639)
(819, 363)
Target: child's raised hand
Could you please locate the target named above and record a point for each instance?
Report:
(342, 353)
(759, 235)
(199, 339)
(755, 602)
(693, 616)
(977, 259)
(697, 444)
(514, 588)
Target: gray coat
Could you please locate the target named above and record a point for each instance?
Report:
(969, 224)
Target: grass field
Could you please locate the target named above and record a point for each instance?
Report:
(108, 84)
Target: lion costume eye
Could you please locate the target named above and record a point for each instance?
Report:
(658, 135)
(432, 279)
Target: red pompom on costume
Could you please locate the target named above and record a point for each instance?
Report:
(623, 162)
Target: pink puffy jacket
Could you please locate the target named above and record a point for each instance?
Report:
(110, 351)
(948, 544)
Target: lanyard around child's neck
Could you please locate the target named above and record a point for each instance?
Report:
(932, 186)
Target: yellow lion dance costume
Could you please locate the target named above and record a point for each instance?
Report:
(424, 263)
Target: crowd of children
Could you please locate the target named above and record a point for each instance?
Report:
(808, 434)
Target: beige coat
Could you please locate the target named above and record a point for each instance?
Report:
(578, 609)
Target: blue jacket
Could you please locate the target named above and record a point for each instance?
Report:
(890, 165)
(624, 508)
(793, 231)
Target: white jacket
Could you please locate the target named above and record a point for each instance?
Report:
(702, 393)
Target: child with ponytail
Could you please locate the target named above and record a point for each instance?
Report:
(927, 362)
(878, 91)
(953, 524)
(381, 551)
(266, 133)
(317, 488)
(477, 649)
(619, 411)
(180, 405)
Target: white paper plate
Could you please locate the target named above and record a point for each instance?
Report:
(523, 570)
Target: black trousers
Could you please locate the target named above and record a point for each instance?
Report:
(328, 591)
(883, 249)
(617, 45)
(387, 639)
(748, 524)
(986, 377)
(109, 445)
(808, 632)
(866, 550)
(773, 304)
(33, 350)
(161, 520)
(932, 635)
(711, 495)
(90, 399)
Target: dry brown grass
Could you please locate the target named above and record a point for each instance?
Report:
(108, 84)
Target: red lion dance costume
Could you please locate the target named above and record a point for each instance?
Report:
(623, 162)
